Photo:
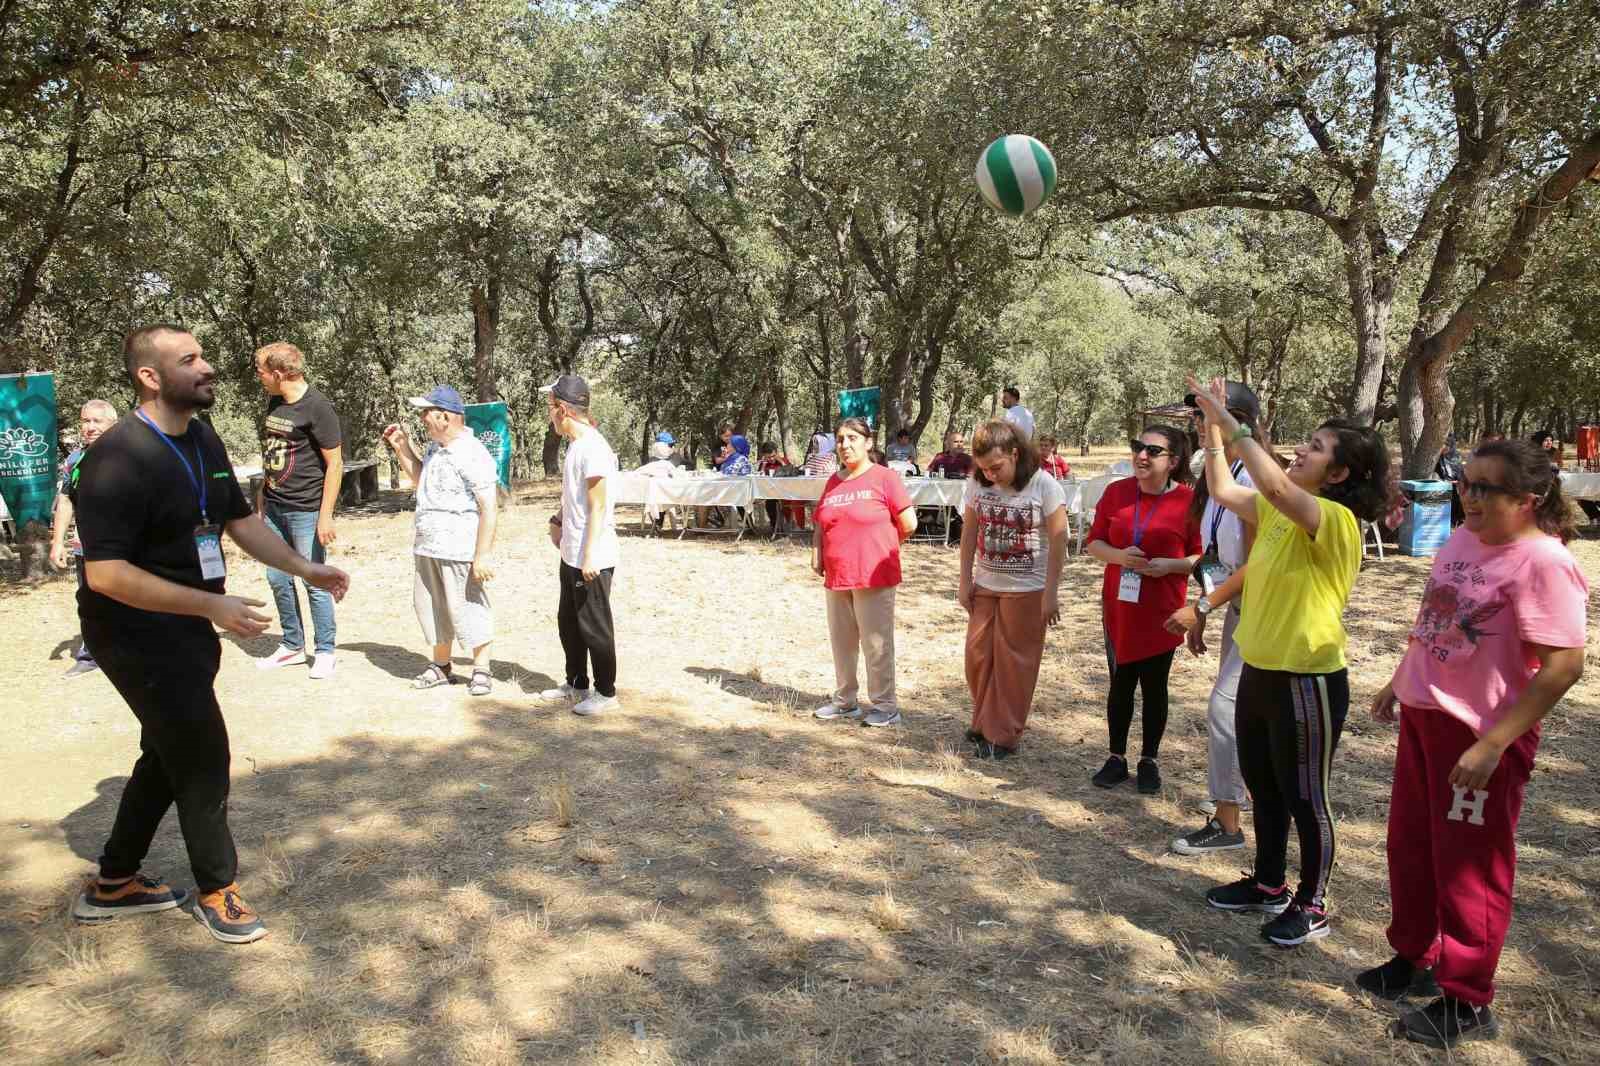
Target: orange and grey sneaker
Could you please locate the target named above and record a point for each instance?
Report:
(140, 894)
(228, 917)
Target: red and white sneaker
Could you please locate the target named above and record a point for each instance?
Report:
(282, 657)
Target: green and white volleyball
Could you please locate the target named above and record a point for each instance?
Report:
(1016, 174)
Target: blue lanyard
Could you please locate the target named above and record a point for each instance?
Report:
(1216, 521)
(198, 481)
(1138, 530)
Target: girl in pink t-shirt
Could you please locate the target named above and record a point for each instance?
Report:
(1499, 639)
(864, 514)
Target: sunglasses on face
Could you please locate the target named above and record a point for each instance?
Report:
(1155, 451)
(1477, 490)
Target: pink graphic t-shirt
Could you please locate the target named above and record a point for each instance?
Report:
(1468, 653)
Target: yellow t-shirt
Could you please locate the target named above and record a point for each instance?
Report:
(1295, 589)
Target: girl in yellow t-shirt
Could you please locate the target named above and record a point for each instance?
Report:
(1294, 690)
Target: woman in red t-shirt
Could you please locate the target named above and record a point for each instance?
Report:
(864, 514)
(1143, 534)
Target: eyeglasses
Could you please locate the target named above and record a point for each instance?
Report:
(1477, 490)
(1155, 451)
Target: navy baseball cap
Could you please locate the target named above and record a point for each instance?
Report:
(569, 388)
(444, 398)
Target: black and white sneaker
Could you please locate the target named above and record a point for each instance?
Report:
(1208, 838)
(1246, 894)
(1296, 925)
(1112, 774)
(1446, 1022)
(1397, 979)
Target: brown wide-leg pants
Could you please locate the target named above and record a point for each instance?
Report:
(1005, 641)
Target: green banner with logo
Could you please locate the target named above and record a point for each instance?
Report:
(862, 403)
(28, 446)
(491, 424)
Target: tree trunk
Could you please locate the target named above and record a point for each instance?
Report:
(780, 403)
(955, 412)
(1371, 302)
(485, 308)
(552, 453)
(1427, 410)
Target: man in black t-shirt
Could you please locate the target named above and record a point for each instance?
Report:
(154, 496)
(302, 464)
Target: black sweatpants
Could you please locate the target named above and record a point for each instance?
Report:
(167, 681)
(1287, 727)
(1150, 677)
(587, 635)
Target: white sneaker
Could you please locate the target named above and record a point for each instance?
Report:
(830, 710)
(282, 657)
(563, 693)
(321, 665)
(595, 704)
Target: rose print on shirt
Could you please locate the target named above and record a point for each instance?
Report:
(1452, 619)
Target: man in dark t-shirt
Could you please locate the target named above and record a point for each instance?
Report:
(302, 464)
(154, 496)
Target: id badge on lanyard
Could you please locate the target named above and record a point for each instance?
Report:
(1212, 571)
(208, 546)
(1128, 587)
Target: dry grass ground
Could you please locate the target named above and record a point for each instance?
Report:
(711, 876)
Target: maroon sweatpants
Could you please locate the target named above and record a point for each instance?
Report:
(1453, 853)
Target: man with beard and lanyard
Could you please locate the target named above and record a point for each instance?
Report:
(154, 497)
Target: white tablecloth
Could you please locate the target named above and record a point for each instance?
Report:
(1581, 486)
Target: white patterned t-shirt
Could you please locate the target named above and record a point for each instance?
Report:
(1012, 545)
(453, 476)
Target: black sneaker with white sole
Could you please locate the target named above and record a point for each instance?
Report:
(1207, 839)
(1446, 1022)
(1296, 925)
(1397, 979)
(1246, 894)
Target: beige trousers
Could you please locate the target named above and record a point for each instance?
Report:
(862, 619)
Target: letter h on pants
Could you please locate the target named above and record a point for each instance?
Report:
(587, 633)
(1453, 853)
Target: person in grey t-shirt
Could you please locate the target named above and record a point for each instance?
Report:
(455, 521)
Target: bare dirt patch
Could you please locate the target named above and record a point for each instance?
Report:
(710, 876)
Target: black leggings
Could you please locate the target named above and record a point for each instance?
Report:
(1288, 726)
(1150, 675)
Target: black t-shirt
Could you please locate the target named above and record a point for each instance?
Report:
(293, 439)
(136, 502)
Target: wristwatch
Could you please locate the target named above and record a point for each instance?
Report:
(1202, 606)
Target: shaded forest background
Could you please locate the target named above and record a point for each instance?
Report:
(722, 211)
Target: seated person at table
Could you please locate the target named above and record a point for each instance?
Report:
(877, 456)
(901, 451)
(735, 463)
(660, 464)
(772, 460)
(774, 463)
(820, 458)
(953, 462)
(1050, 462)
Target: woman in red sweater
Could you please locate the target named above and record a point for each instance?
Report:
(1143, 534)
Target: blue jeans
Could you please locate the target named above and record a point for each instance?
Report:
(299, 528)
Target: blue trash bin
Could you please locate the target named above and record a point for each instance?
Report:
(1426, 525)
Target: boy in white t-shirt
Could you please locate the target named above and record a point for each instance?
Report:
(586, 533)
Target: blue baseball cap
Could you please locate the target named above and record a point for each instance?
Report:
(442, 397)
(665, 438)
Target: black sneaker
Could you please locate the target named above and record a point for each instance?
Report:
(1446, 1022)
(1397, 979)
(1149, 777)
(1112, 774)
(1296, 925)
(973, 736)
(985, 750)
(1208, 838)
(1246, 895)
